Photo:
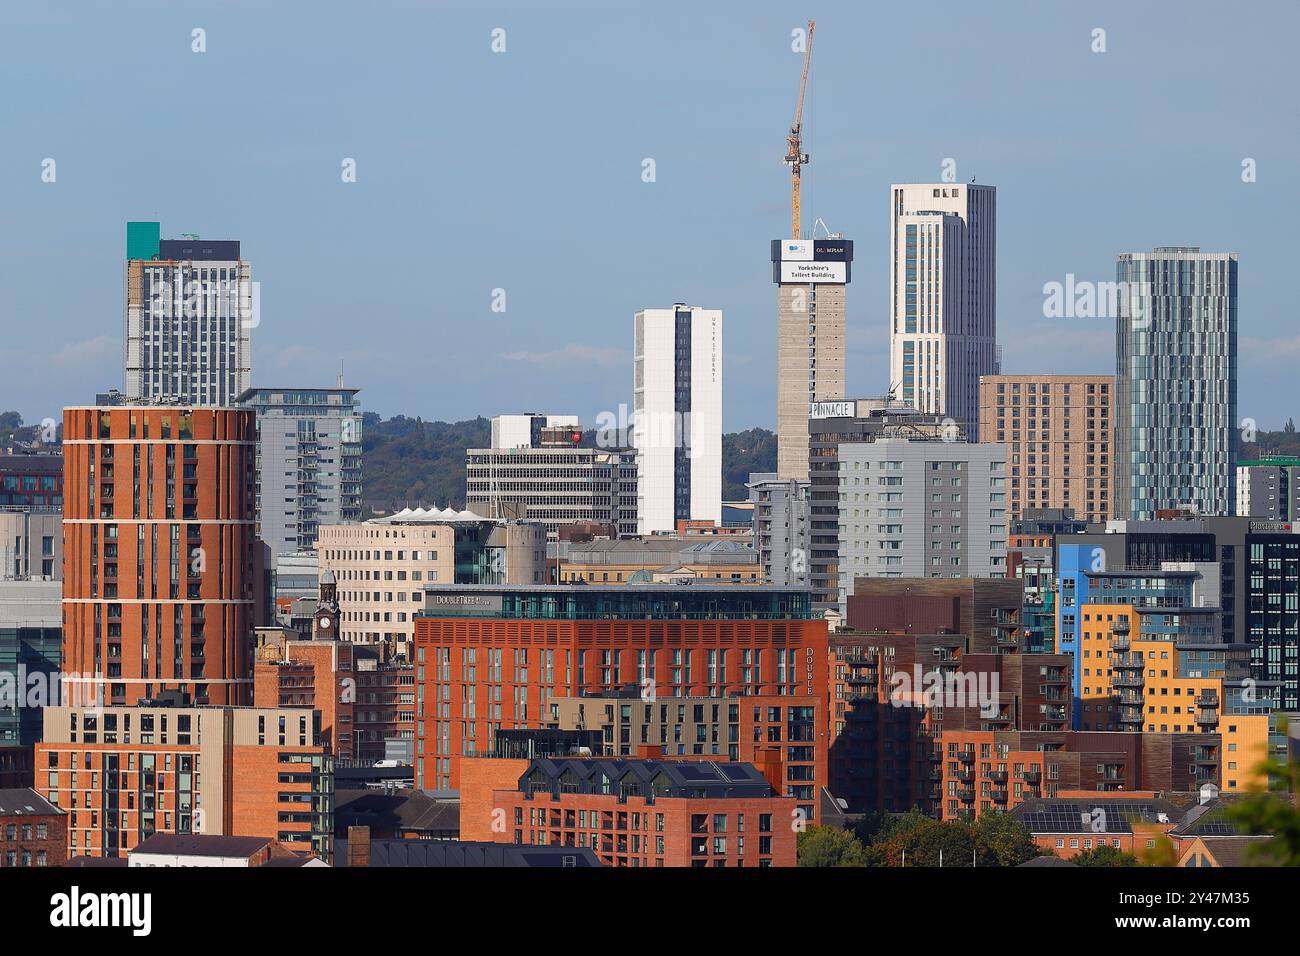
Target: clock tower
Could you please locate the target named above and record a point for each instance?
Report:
(325, 622)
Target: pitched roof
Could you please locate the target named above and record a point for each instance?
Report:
(201, 844)
(1234, 850)
(454, 853)
(384, 811)
(1105, 814)
(24, 801)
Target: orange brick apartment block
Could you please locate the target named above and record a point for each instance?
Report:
(125, 773)
(635, 813)
(159, 550)
(477, 674)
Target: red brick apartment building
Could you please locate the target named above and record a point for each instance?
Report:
(125, 773)
(632, 813)
(490, 657)
(159, 550)
(893, 697)
(983, 770)
(33, 832)
(313, 674)
(384, 707)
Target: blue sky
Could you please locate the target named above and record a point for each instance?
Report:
(522, 171)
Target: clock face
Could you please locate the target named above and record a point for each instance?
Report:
(324, 622)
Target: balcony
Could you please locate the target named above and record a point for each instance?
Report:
(999, 794)
(1033, 776)
(965, 776)
(998, 776)
(966, 756)
(1127, 680)
(966, 794)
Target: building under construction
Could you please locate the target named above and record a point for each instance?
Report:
(810, 276)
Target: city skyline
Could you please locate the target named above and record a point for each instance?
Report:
(417, 236)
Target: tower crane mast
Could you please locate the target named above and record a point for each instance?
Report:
(795, 157)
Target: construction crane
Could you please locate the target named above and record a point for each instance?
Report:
(795, 157)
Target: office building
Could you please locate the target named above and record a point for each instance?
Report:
(677, 424)
(383, 565)
(160, 565)
(1269, 488)
(190, 308)
(921, 508)
(1175, 382)
(811, 276)
(308, 463)
(554, 484)
(1057, 432)
(943, 297)
(126, 773)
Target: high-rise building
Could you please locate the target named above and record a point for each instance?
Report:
(1269, 488)
(160, 563)
(1057, 432)
(1175, 382)
(830, 425)
(921, 508)
(782, 528)
(308, 463)
(677, 428)
(190, 306)
(943, 297)
(811, 277)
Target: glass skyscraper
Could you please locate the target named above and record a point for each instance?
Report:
(1176, 382)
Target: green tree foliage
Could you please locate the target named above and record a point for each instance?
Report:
(1104, 855)
(829, 846)
(409, 462)
(743, 454)
(1009, 841)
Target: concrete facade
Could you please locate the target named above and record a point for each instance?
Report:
(943, 297)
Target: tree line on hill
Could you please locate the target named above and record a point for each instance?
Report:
(408, 462)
